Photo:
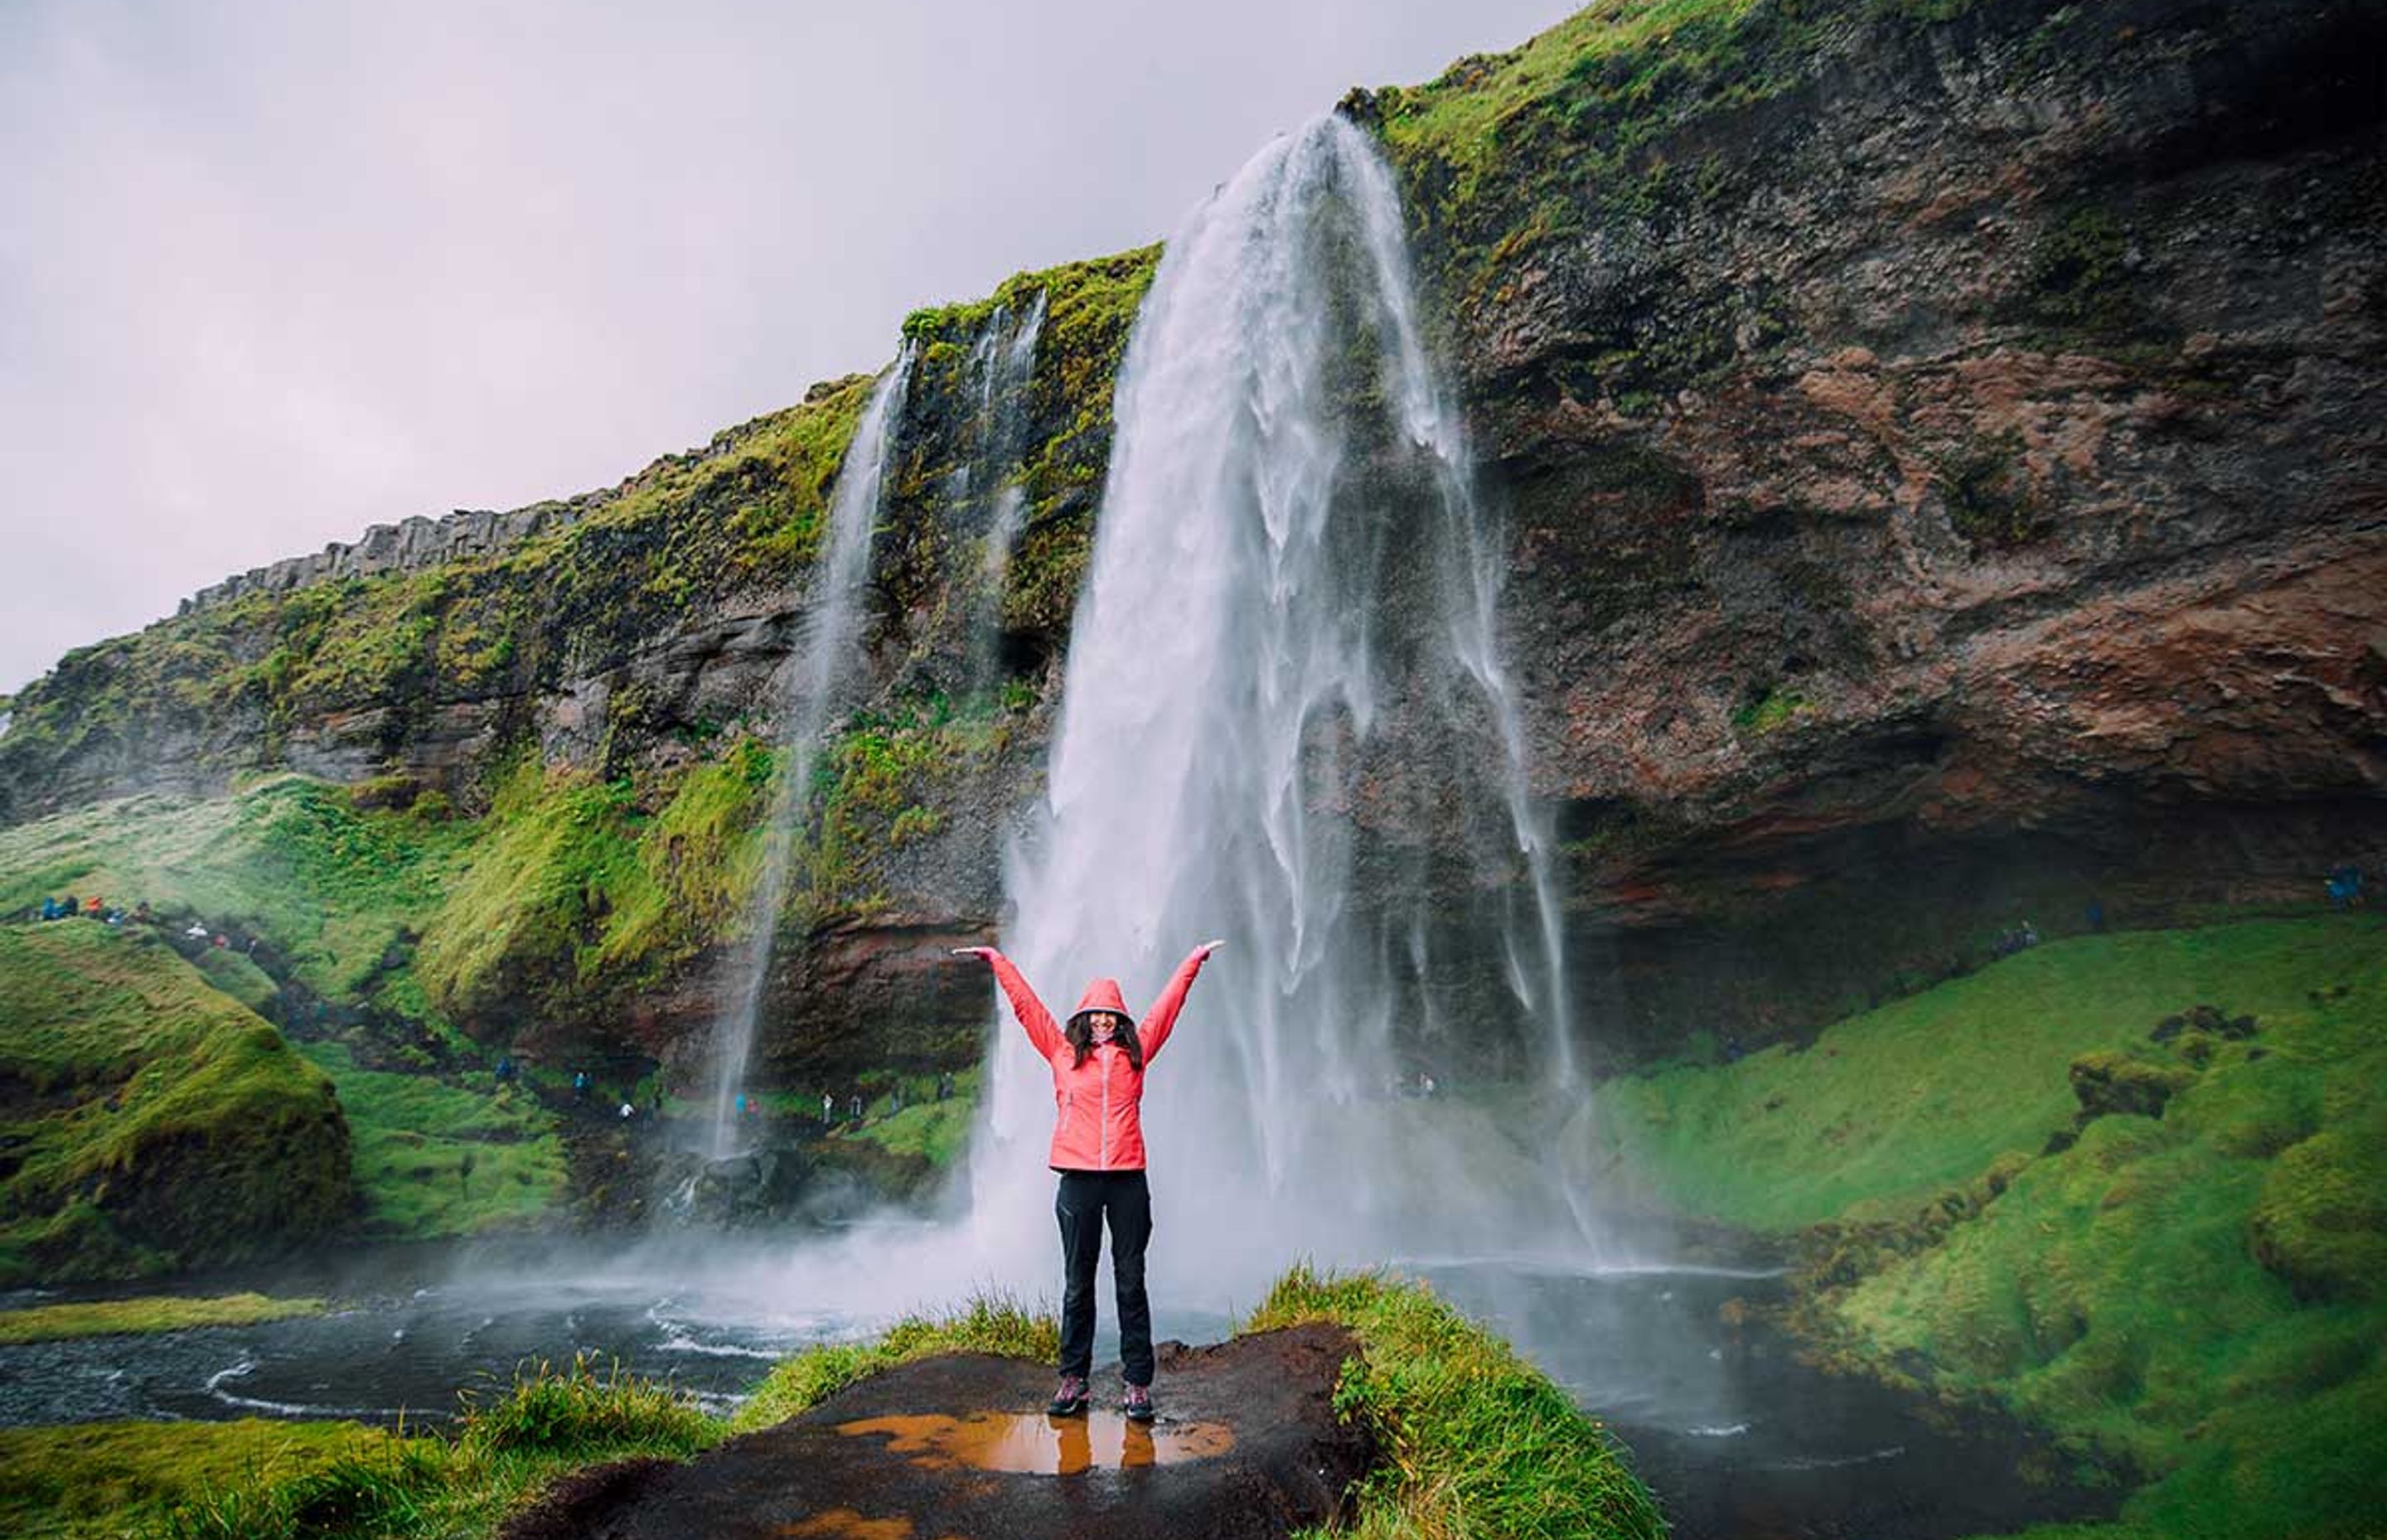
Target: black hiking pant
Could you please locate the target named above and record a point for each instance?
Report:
(1085, 1201)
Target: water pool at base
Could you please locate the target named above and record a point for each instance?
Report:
(1735, 1436)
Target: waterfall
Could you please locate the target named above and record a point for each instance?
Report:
(1002, 434)
(806, 684)
(1289, 621)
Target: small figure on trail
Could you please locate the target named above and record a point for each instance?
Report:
(895, 1099)
(738, 1105)
(580, 1085)
(2345, 886)
(628, 1112)
(49, 908)
(67, 908)
(853, 1106)
(655, 1103)
(197, 932)
(141, 912)
(505, 1071)
(223, 943)
(1098, 1062)
(92, 907)
(945, 1086)
(828, 1109)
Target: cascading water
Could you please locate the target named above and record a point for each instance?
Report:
(1003, 419)
(1289, 625)
(806, 684)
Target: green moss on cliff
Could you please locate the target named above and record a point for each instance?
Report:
(572, 890)
(881, 785)
(150, 1122)
(1504, 152)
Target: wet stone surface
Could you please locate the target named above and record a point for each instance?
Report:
(952, 1448)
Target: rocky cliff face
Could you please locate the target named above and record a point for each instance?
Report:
(1943, 456)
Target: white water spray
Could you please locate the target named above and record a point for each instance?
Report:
(1256, 629)
(823, 650)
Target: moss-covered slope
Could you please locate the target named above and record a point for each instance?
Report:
(150, 1122)
(2184, 1285)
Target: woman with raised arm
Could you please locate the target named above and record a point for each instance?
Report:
(1098, 1061)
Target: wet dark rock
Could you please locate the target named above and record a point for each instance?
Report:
(755, 1188)
(835, 1470)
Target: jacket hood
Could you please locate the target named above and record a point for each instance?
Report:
(1103, 994)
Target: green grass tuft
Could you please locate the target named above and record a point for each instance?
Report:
(102, 1480)
(548, 1423)
(1473, 1439)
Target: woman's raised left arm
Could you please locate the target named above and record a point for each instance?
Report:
(1159, 1021)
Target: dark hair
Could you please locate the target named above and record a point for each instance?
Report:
(1081, 1037)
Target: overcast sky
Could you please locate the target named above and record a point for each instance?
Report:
(272, 271)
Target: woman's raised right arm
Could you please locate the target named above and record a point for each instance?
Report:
(1042, 1030)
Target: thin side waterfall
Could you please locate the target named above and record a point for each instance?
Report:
(1003, 419)
(806, 684)
(1290, 624)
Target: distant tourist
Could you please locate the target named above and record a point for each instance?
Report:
(628, 1112)
(505, 1072)
(895, 1099)
(853, 1106)
(828, 1109)
(197, 932)
(1098, 1062)
(945, 1086)
(2345, 886)
(580, 1085)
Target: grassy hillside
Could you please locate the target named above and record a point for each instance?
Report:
(434, 1158)
(148, 1121)
(2192, 1292)
(332, 888)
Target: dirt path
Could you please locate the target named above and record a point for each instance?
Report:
(958, 1449)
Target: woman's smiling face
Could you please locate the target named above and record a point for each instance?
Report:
(1102, 1026)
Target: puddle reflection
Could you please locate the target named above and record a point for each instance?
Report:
(1044, 1446)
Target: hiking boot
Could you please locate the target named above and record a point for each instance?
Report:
(1137, 1404)
(1069, 1396)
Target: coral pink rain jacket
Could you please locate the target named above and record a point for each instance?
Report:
(1099, 1128)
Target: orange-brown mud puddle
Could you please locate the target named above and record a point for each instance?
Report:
(1044, 1446)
